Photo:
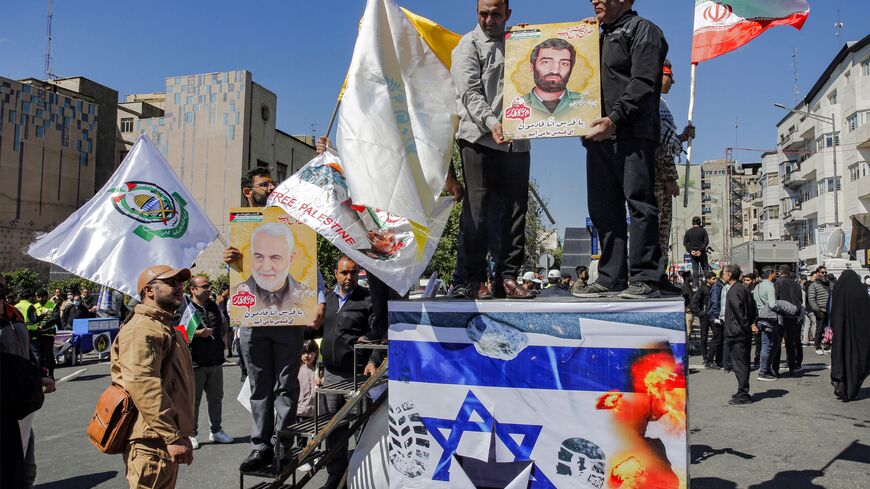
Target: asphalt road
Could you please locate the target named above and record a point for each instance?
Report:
(796, 435)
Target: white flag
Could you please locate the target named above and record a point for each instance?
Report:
(143, 216)
(398, 117)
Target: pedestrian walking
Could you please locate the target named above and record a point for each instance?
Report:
(765, 299)
(788, 290)
(713, 360)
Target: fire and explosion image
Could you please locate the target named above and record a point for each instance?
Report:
(659, 386)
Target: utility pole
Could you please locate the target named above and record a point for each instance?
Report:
(795, 90)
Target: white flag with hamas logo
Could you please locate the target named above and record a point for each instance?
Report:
(143, 216)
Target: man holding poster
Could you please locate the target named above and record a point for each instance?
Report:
(620, 153)
(496, 170)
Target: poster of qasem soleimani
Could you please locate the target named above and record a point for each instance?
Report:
(551, 81)
(276, 281)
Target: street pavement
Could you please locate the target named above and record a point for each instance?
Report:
(796, 435)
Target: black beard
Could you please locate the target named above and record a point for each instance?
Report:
(550, 86)
(259, 201)
(168, 303)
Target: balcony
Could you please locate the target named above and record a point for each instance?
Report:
(793, 178)
(862, 136)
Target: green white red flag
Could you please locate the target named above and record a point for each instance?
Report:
(725, 26)
(190, 320)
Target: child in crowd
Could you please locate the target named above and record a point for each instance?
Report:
(309, 380)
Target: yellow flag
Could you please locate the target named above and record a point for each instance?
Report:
(440, 40)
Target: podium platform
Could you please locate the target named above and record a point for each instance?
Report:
(547, 393)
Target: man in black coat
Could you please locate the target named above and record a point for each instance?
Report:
(620, 154)
(787, 289)
(696, 242)
(348, 317)
(741, 314)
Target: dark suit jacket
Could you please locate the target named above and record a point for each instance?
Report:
(342, 328)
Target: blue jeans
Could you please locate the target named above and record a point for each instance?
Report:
(768, 340)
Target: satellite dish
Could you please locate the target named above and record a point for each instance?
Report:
(835, 243)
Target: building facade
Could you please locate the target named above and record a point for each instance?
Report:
(50, 135)
(825, 148)
(212, 128)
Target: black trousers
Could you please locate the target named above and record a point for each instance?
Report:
(756, 337)
(821, 322)
(46, 348)
(776, 348)
(381, 294)
(700, 267)
(705, 331)
(740, 363)
(620, 172)
(714, 348)
(493, 210)
(794, 351)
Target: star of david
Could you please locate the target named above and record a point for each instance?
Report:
(462, 423)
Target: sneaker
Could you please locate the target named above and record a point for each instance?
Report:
(594, 290)
(737, 401)
(641, 290)
(819, 351)
(220, 437)
(765, 377)
(456, 291)
(711, 366)
(193, 442)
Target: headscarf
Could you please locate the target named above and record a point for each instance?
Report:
(850, 322)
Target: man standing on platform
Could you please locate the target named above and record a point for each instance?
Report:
(272, 355)
(740, 317)
(696, 242)
(620, 153)
(496, 171)
(348, 317)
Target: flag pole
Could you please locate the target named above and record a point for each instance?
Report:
(689, 144)
(334, 114)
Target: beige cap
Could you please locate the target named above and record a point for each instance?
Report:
(160, 272)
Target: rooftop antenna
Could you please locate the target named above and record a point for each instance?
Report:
(48, 74)
(839, 27)
(795, 89)
(314, 128)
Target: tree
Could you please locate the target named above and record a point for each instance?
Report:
(327, 259)
(22, 279)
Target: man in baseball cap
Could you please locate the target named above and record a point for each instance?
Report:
(148, 356)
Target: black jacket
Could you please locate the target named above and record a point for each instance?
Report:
(633, 51)
(341, 330)
(696, 239)
(740, 312)
(787, 289)
(701, 300)
(208, 352)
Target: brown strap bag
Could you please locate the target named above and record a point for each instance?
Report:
(113, 420)
(110, 426)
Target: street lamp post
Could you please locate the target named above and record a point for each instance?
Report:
(833, 122)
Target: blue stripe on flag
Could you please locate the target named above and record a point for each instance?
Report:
(558, 324)
(536, 367)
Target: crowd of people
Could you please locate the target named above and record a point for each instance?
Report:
(631, 153)
(775, 309)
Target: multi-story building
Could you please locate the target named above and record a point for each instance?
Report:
(212, 128)
(825, 141)
(56, 147)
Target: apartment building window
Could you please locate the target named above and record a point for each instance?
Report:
(280, 171)
(126, 124)
(865, 67)
(773, 212)
(852, 122)
(832, 97)
(854, 172)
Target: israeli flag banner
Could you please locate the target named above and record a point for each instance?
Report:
(541, 395)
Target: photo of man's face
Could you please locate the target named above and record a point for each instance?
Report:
(552, 69)
(271, 258)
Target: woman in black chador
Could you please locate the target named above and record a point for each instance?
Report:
(850, 322)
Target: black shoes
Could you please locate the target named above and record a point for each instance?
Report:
(740, 400)
(711, 366)
(641, 290)
(257, 460)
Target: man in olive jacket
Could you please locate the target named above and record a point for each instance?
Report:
(151, 360)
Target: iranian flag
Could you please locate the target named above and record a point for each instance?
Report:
(725, 26)
(190, 320)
